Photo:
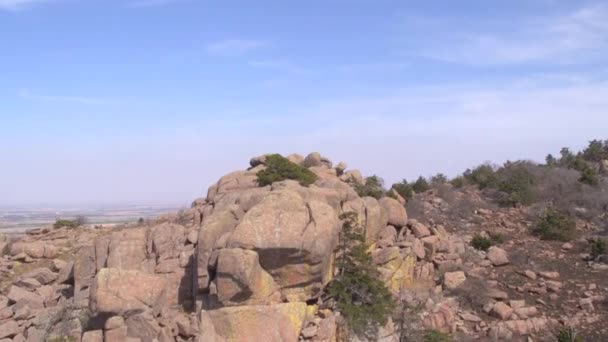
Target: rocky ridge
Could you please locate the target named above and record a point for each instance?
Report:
(245, 258)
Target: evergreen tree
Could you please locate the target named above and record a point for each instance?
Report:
(359, 294)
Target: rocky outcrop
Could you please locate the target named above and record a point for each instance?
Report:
(251, 263)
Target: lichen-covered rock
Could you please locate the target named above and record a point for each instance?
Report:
(268, 323)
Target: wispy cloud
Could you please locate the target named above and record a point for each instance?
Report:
(281, 65)
(27, 95)
(15, 5)
(234, 47)
(567, 38)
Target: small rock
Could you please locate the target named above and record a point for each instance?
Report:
(497, 256)
(452, 280)
(28, 283)
(529, 274)
(502, 311)
(497, 294)
(553, 286)
(586, 304)
(567, 246)
(418, 229)
(193, 237)
(469, 317)
(114, 323)
(516, 304)
(526, 312)
(58, 264)
(310, 331)
(549, 275)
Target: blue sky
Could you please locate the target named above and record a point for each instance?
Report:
(150, 101)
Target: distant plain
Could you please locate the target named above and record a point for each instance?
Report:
(18, 220)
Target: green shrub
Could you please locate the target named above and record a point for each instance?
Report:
(589, 176)
(404, 189)
(483, 175)
(568, 334)
(515, 182)
(77, 222)
(550, 160)
(279, 168)
(598, 247)
(596, 151)
(439, 179)
(458, 182)
(436, 336)
(373, 187)
(421, 185)
(481, 243)
(359, 293)
(555, 225)
(496, 238)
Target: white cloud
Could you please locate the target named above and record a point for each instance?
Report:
(233, 47)
(575, 37)
(14, 5)
(27, 95)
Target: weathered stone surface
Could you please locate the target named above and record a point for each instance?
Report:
(294, 240)
(28, 283)
(113, 291)
(238, 180)
(371, 215)
(313, 159)
(396, 213)
(17, 294)
(42, 275)
(352, 176)
(127, 249)
(9, 329)
(241, 280)
(220, 224)
(84, 272)
(66, 274)
(452, 280)
(142, 326)
(497, 256)
(418, 229)
(35, 249)
(252, 323)
(93, 336)
(502, 311)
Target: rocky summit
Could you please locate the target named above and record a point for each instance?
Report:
(253, 263)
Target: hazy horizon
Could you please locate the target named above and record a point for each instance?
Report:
(142, 102)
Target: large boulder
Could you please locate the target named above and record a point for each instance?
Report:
(117, 292)
(268, 323)
(294, 240)
(395, 211)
